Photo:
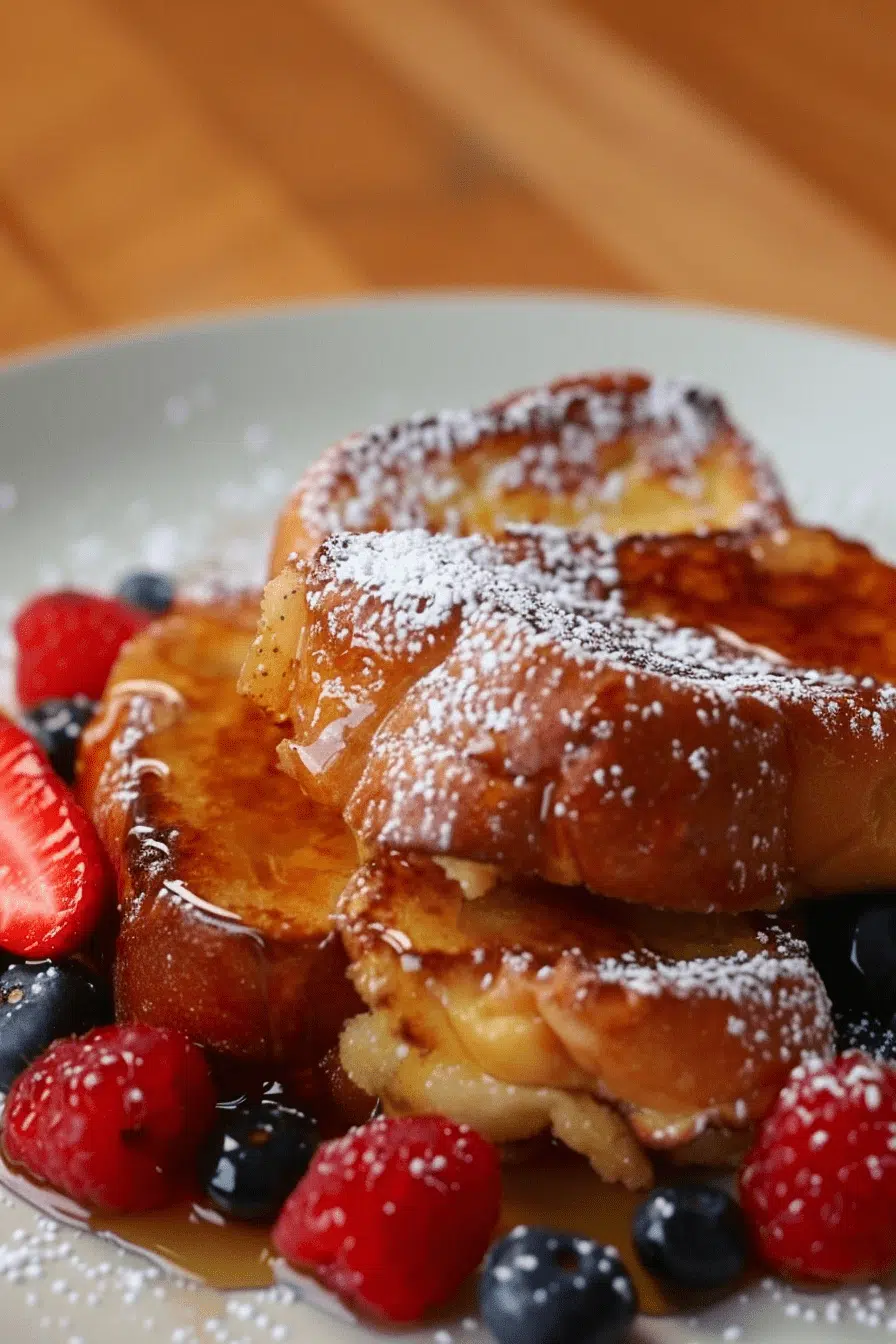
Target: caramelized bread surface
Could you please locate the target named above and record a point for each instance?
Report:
(228, 874)
(616, 453)
(660, 719)
(537, 1006)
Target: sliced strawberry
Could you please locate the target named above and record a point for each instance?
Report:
(54, 876)
(67, 643)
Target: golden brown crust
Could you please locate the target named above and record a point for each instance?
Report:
(227, 875)
(611, 452)
(588, 712)
(679, 1022)
(815, 597)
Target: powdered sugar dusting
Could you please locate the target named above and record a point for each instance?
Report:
(744, 977)
(531, 639)
(401, 475)
(69, 1284)
(552, 589)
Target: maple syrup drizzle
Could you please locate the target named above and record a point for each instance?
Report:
(564, 1193)
(556, 1191)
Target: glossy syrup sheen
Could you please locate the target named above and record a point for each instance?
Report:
(803, 594)
(228, 875)
(557, 1191)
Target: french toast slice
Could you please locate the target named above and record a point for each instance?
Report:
(609, 452)
(227, 875)
(663, 720)
(535, 1008)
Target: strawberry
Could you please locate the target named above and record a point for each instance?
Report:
(67, 643)
(819, 1185)
(115, 1119)
(396, 1214)
(54, 877)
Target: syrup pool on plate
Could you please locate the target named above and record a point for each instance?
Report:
(556, 1190)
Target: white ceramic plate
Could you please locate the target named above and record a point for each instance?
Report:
(178, 445)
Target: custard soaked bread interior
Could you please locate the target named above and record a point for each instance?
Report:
(663, 720)
(609, 452)
(227, 874)
(620, 1028)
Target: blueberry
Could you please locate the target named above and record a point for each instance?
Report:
(56, 725)
(256, 1158)
(544, 1287)
(40, 1001)
(692, 1236)
(873, 954)
(148, 591)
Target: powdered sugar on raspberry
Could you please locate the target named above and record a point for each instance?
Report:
(396, 1214)
(818, 1184)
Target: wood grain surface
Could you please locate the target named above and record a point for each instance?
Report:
(161, 158)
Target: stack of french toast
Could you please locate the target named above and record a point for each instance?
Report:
(554, 717)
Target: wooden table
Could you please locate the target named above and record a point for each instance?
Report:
(162, 157)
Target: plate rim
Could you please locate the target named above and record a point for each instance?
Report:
(246, 317)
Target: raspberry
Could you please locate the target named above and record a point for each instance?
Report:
(819, 1185)
(115, 1118)
(67, 643)
(396, 1214)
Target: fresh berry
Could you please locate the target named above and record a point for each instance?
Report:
(55, 877)
(873, 954)
(256, 1157)
(40, 1001)
(148, 591)
(396, 1214)
(67, 643)
(544, 1287)
(114, 1119)
(819, 1185)
(692, 1236)
(57, 725)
